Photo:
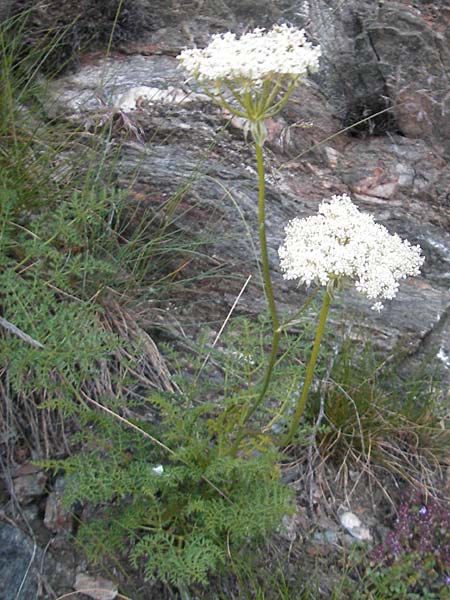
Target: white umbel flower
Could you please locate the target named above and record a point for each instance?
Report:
(342, 243)
(253, 58)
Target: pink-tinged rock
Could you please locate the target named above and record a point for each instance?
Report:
(332, 156)
(95, 587)
(384, 190)
(375, 200)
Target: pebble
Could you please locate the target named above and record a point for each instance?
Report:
(355, 528)
(95, 587)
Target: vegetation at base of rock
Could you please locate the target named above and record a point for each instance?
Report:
(419, 543)
(355, 580)
(70, 252)
(178, 524)
(155, 520)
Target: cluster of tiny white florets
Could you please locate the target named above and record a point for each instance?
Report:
(254, 57)
(342, 243)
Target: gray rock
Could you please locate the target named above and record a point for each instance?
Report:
(19, 565)
(396, 167)
(57, 518)
(326, 537)
(103, 83)
(27, 572)
(28, 483)
(381, 54)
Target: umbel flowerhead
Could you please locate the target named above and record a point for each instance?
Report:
(340, 243)
(254, 75)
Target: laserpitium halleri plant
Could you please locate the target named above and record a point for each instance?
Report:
(253, 77)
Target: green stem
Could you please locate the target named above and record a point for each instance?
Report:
(278, 106)
(266, 381)
(262, 238)
(310, 368)
(276, 330)
(266, 106)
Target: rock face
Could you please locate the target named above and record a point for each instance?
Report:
(28, 572)
(17, 577)
(395, 165)
(382, 54)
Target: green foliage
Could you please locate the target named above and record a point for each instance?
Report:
(400, 581)
(39, 283)
(352, 577)
(52, 207)
(71, 245)
(25, 158)
(180, 524)
(259, 581)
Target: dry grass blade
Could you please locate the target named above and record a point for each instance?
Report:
(401, 451)
(224, 324)
(149, 369)
(19, 333)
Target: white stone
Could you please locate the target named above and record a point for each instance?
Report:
(353, 525)
(443, 357)
(349, 520)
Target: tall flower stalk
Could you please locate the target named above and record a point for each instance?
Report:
(310, 368)
(253, 78)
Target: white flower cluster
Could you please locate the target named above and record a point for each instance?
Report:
(341, 242)
(254, 57)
